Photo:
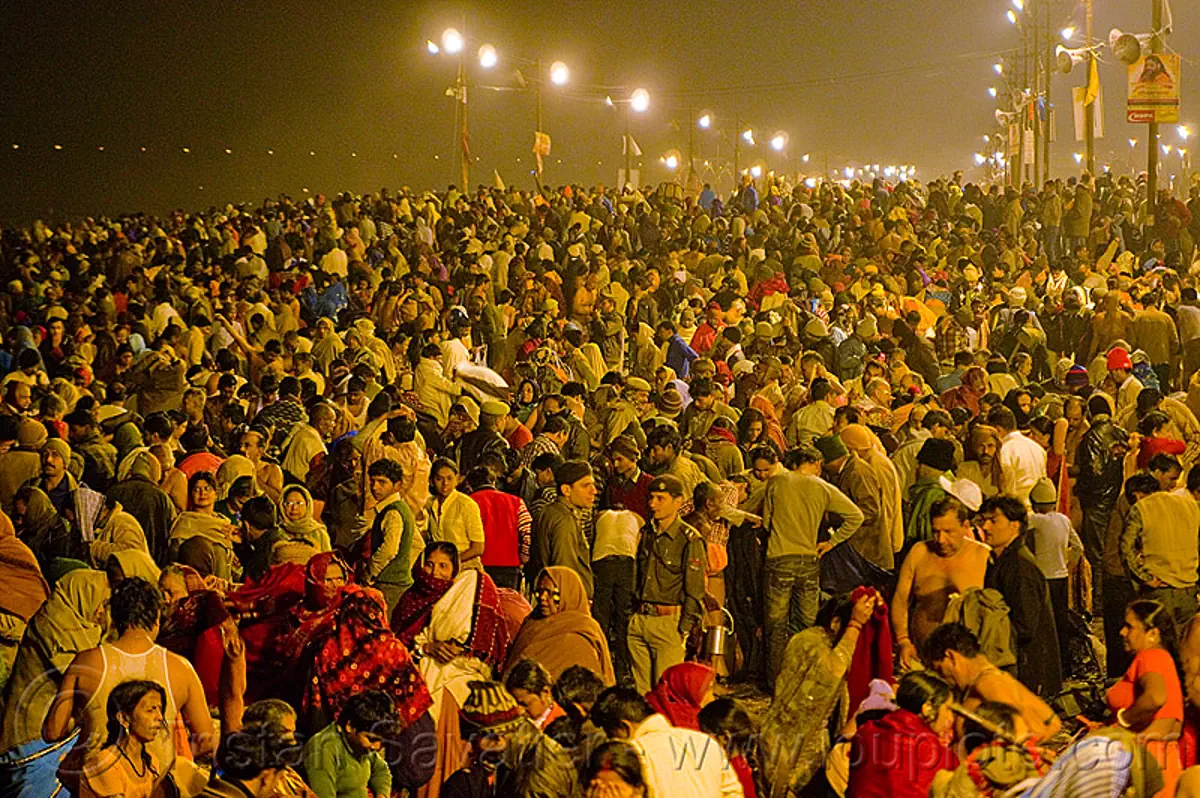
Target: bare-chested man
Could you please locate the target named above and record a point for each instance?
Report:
(953, 652)
(934, 570)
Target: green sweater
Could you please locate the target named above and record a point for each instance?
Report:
(333, 771)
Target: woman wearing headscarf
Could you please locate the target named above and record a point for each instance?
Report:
(131, 564)
(341, 645)
(192, 622)
(297, 522)
(24, 592)
(72, 620)
(974, 386)
(126, 439)
(561, 632)
(451, 619)
(682, 691)
(200, 536)
(138, 494)
(327, 346)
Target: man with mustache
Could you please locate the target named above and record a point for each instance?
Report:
(951, 562)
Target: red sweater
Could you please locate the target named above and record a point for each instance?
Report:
(501, 514)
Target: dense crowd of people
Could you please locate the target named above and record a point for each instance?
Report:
(499, 493)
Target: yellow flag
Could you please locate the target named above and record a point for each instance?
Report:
(1093, 84)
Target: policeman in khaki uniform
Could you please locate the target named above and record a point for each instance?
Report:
(668, 586)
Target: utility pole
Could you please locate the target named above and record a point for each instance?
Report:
(1089, 109)
(628, 147)
(1156, 46)
(691, 123)
(737, 150)
(1046, 124)
(460, 85)
(537, 94)
(1036, 58)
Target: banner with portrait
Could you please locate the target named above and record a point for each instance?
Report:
(1154, 81)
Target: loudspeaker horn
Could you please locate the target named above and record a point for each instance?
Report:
(1127, 47)
(1068, 59)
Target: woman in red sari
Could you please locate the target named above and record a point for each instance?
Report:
(341, 645)
(682, 691)
(192, 625)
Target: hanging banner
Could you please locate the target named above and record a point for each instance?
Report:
(1027, 149)
(1053, 125)
(541, 147)
(1078, 94)
(1014, 141)
(1154, 83)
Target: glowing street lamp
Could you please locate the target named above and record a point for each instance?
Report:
(1184, 132)
(431, 45)
(778, 141)
(1067, 33)
(1078, 157)
(998, 68)
(805, 158)
(640, 100)
(756, 172)
(1166, 148)
(705, 121)
(992, 92)
(748, 136)
(1012, 16)
(671, 161)
(487, 56)
(452, 41)
(559, 73)
(1019, 4)
(979, 159)
(1132, 143)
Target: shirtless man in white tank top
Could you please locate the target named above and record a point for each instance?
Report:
(83, 695)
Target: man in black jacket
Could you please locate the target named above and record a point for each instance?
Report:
(1015, 573)
(1100, 465)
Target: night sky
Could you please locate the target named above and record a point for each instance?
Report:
(855, 81)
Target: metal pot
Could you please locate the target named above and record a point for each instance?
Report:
(716, 637)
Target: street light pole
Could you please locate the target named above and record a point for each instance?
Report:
(1089, 109)
(737, 149)
(464, 151)
(1156, 44)
(1046, 124)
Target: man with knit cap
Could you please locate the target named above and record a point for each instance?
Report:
(935, 460)
(624, 416)
(1120, 368)
(509, 755)
(55, 479)
(668, 584)
(856, 478)
(795, 506)
(1054, 545)
(558, 531)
